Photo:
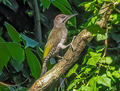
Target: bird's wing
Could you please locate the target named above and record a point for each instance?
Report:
(53, 40)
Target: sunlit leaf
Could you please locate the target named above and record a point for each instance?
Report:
(94, 58)
(94, 19)
(100, 48)
(87, 56)
(112, 67)
(90, 50)
(102, 60)
(92, 82)
(104, 80)
(86, 88)
(102, 37)
(72, 84)
(118, 17)
(109, 75)
(87, 70)
(88, 5)
(108, 60)
(113, 18)
(73, 70)
(116, 74)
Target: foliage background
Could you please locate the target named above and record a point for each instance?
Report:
(24, 27)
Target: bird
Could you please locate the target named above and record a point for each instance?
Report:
(56, 39)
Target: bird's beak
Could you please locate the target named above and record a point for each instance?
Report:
(69, 16)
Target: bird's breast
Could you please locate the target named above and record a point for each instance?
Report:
(64, 35)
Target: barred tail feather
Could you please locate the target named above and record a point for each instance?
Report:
(44, 68)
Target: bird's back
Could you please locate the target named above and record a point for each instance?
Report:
(54, 39)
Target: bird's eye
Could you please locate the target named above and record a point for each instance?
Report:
(62, 16)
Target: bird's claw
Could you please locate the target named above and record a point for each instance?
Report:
(59, 56)
(72, 42)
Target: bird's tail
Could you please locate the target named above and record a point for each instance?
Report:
(44, 68)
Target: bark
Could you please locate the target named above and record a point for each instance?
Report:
(69, 58)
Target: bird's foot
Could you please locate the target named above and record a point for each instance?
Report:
(72, 42)
(59, 56)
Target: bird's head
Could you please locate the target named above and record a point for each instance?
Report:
(61, 19)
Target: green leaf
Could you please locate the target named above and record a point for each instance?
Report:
(65, 11)
(100, 48)
(34, 64)
(109, 75)
(116, 74)
(87, 70)
(3, 45)
(73, 70)
(66, 3)
(104, 80)
(4, 1)
(18, 66)
(87, 56)
(90, 50)
(94, 58)
(102, 37)
(119, 70)
(9, 2)
(4, 88)
(113, 18)
(4, 58)
(111, 67)
(86, 88)
(46, 4)
(108, 60)
(102, 60)
(12, 33)
(24, 1)
(29, 42)
(93, 20)
(2, 40)
(94, 29)
(16, 52)
(72, 84)
(118, 17)
(115, 36)
(92, 83)
(88, 5)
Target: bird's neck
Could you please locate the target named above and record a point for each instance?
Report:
(61, 25)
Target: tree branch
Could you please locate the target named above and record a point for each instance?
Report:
(69, 58)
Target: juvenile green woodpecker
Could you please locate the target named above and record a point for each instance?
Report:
(56, 39)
